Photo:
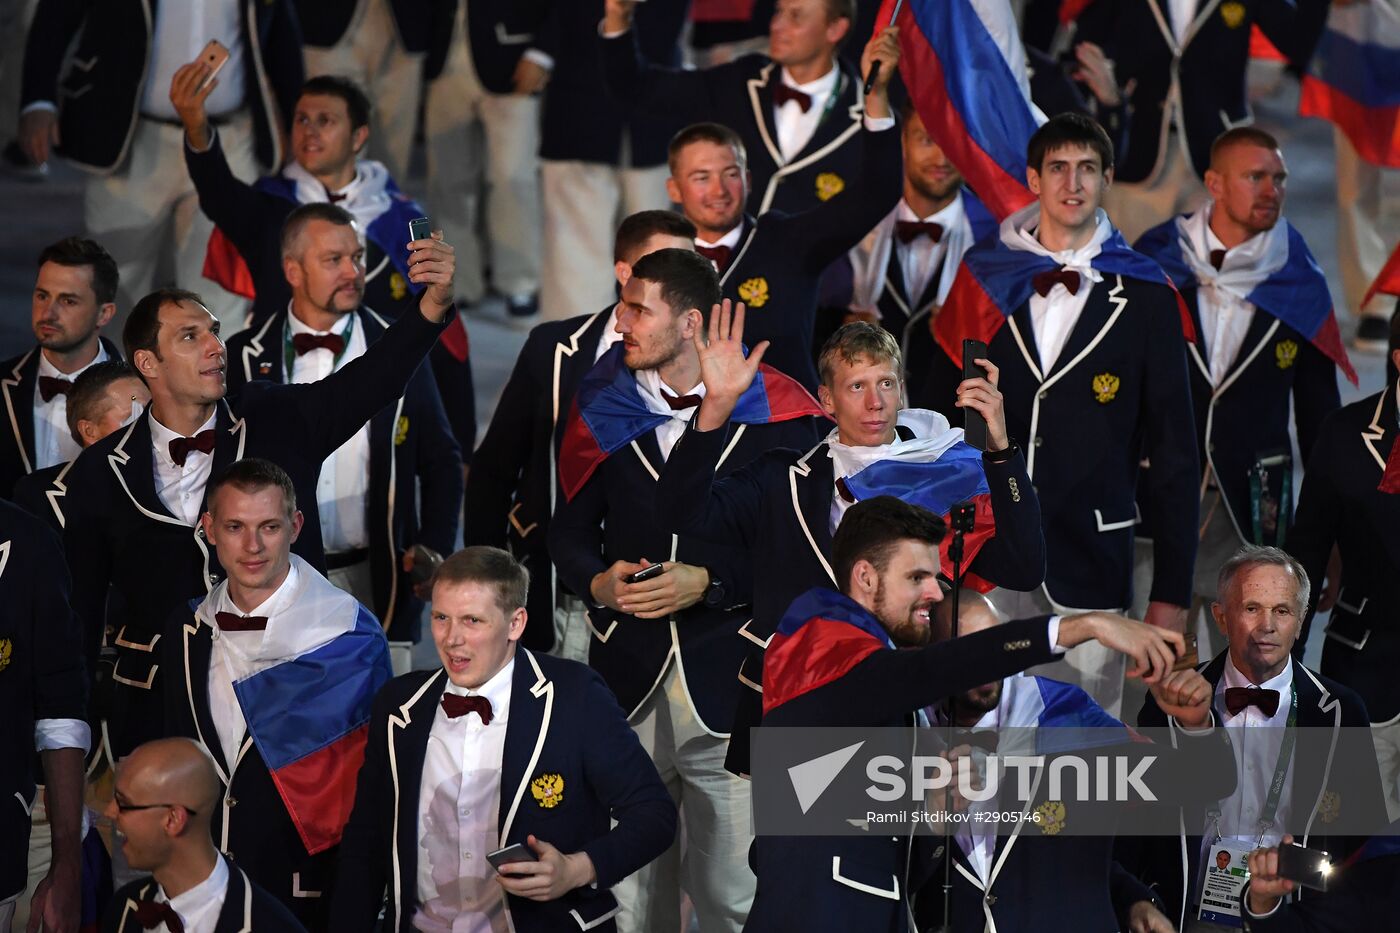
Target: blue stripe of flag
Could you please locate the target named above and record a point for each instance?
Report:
(820, 603)
(955, 476)
(1367, 73)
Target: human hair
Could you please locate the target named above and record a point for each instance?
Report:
(637, 228)
(716, 133)
(1069, 129)
(841, 9)
(306, 213)
(1241, 135)
(142, 328)
(872, 529)
(687, 279)
(489, 566)
(77, 251)
(253, 474)
(1256, 555)
(858, 340)
(86, 398)
(356, 102)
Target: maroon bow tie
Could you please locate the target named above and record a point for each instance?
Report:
(681, 402)
(1237, 699)
(1045, 281)
(151, 914)
(910, 230)
(1217, 257)
(782, 94)
(1390, 479)
(456, 705)
(233, 622)
(719, 255)
(181, 447)
(844, 491)
(49, 386)
(305, 343)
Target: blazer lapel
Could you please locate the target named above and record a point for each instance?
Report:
(198, 645)
(1379, 435)
(230, 438)
(574, 357)
(236, 916)
(894, 279)
(262, 357)
(18, 387)
(531, 707)
(812, 484)
(133, 463)
(648, 451)
(1262, 326)
(761, 99)
(408, 743)
(1023, 330)
(1318, 710)
(128, 910)
(1092, 321)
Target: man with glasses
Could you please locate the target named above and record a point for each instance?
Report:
(191, 888)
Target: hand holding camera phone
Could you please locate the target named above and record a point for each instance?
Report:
(974, 425)
(646, 573)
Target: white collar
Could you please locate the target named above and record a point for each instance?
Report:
(201, 893)
(1245, 266)
(269, 607)
(651, 387)
(730, 239)
(1282, 682)
(48, 369)
(949, 215)
(932, 438)
(161, 436)
(496, 690)
(297, 326)
(818, 88)
(1018, 232)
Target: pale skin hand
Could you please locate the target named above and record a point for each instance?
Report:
(551, 877)
(1144, 917)
(982, 396)
(678, 587)
(1266, 887)
(1185, 696)
(1167, 616)
(724, 370)
(1096, 70)
(530, 77)
(188, 94)
(883, 46)
(433, 263)
(38, 133)
(617, 15)
(1153, 650)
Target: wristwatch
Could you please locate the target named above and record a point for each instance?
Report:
(715, 593)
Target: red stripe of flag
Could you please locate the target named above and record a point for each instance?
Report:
(821, 651)
(322, 785)
(1373, 131)
(1388, 282)
(968, 313)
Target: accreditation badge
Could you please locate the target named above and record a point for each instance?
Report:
(1226, 871)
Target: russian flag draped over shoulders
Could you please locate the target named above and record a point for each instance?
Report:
(608, 413)
(1388, 282)
(965, 68)
(1354, 78)
(821, 637)
(1296, 293)
(994, 280)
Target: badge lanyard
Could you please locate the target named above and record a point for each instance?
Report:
(1270, 515)
(1285, 755)
(289, 353)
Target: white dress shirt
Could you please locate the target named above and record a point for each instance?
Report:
(651, 387)
(199, 907)
(178, 35)
(1256, 755)
(180, 488)
(236, 655)
(53, 442)
(344, 480)
(459, 802)
(1225, 314)
(922, 258)
(795, 125)
(730, 239)
(1181, 13)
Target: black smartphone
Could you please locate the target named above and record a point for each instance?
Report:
(974, 425)
(519, 852)
(1190, 657)
(1309, 867)
(419, 229)
(646, 573)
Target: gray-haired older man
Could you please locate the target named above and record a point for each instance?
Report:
(1288, 724)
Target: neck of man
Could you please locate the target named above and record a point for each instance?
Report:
(1057, 238)
(922, 204)
(809, 71)
(70, 361)
(313, 316)
(890, 437)
(187, 870)
(681, 374)
(249, 598)
(183, 418)
(1258, 674)
(965, 717)
(714, 234)
(333, 179)
(1227, 231)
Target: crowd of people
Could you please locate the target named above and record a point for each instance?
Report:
(804, 434)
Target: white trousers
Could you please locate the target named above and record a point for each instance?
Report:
(1136, 207)
(146, 214)
(1368, 225)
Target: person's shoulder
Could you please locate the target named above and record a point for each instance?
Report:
(18, 524)
(403, 689)
(551, 332)
(748, 65)
(269, 914)
(1361, 412)
(15, 362)
(136, 890)
(1353, 707)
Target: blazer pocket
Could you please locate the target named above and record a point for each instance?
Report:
(606, 619)
(592, 912)
(135, 670)
(27, 805)
(1345, 626)
(1104, 524)
(861, 878)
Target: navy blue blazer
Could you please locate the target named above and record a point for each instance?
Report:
(739, 94)
(866, 883)
(19, 380)
(118, 530)
(1363, 893)
(563, 723)
(412, 454)
(1340, 505)
(324, 22)
(1118, 392)
(99, 97)
(617, 515)
(514, 483)
(1208, 68)
(246, 907)
(42, 492)
(41, 675)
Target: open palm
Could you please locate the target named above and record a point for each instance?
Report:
(724, 368)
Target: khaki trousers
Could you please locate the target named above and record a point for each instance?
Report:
(1136, 207)
(1368, 225)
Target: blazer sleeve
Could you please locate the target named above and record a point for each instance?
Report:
(690, 501)
(576, 537)
(503, 455)
(1125, 890)
(458, 393)
(363, 868)
(622, 777)
(244, 215)
(1315, 523)
(1315, 395)
(439, 466)
(85, 548)
(53, 28)
(1014, 558)
(60, 683)
(1169, 430)
(683, 95)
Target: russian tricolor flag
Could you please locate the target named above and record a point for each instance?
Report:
(309, 717)
(1388, 282)
(821, 637)
(1354, 78)
(965, 68)
(609, 413)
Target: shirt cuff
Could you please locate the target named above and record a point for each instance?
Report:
(1244, 902)
(1203, 730)
(48, 105)
(213, 132)
(543, 59)
(878, 124)
(50, 734)
(1054, 629)
(611, 35)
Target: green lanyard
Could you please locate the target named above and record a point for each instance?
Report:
(289, 353)
(1285, 756)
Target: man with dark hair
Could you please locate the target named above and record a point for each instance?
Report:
(1350, 502)
(330, 128)
(498, 748)
(890, 550)
(1266, 342)
(1087, 337)
(74, 298)
(274, 637)
(135, 497)
(669, 643)
(772, 260)
(397, 483)
(513, 486)
(106, 397)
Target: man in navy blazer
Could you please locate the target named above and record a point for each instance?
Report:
(405, 450)
(135, 496)
(513, 486)
(500, 747)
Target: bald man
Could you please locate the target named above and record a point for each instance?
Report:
(164, 793)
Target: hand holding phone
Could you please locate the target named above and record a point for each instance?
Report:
(215, 55)
(519, 852)
(419, 229)
(646, 573)
(1189, 657)
(974, 425)
(1309, 867)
